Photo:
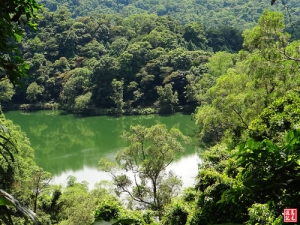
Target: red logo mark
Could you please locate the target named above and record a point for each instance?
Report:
(290, 215)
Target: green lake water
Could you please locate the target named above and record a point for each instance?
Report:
(72, 145)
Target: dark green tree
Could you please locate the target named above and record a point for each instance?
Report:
(194, 32)
(117, 95)
(14, 15)
(167, 98)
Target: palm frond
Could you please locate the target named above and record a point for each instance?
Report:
(8, 200)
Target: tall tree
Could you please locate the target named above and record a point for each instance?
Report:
(150, 185)
(6, 91)
(40, 180)
(117, 95)
(34, 91)
(262, 75)
(167, 98)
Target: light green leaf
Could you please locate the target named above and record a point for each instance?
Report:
(4, 201)
(18, 37)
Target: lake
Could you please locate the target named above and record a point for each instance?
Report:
(67, 144)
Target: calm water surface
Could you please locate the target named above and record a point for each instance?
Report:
(71, 145)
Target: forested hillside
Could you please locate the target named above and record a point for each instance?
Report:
(210, 13)
(109, 61)
(112, 64)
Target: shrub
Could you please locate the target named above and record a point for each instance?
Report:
(107, 210)
(176, 214)
(261, 214)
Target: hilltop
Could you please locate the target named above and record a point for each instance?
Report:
(210, 13)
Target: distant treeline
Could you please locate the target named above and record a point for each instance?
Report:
(211, 13)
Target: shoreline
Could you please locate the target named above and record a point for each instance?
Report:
(93, 111)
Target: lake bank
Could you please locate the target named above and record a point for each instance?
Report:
(93, 111)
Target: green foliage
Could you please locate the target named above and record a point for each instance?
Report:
(16, 157)
(209, 201)
(175, 214)
(107, 210)
(261, 214)
(167, 98)
(111, 210)
(74, 94)
(6, 91)
(8, 149)
(130, 217)
(196, 218)
(142, 60)
(270, 171)
(224, 38)
(219, 63)
(77, 60)
(275, 120)
(125, 222)
(82, 102)
(13, 16)
(40, 181)
(34, 91)
(7, 201)
(234, 94)
(151, 187)
(217, 174)
(271, 25)
(77, 205)
(192, 89)
(194, 32)
(117, 95)
(217, 66)
(189, 194)
(261, 172)
(238, 14)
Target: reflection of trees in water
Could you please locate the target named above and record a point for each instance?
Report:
(60, 142)
(37, 130)
(68, 142)
(63, 133)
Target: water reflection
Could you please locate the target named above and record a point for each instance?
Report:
(186, 168)
(68, 144)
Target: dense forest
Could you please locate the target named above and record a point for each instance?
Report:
(111, 64)
(210, 13)
(109, 61)
(87, 56)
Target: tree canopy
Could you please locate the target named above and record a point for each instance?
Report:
(14, 16)
(211, 13)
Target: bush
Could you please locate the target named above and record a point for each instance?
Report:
(176, 214)
(133, 215)
(107, 210)
(196, 218)
(261, 214)
(189, 195)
